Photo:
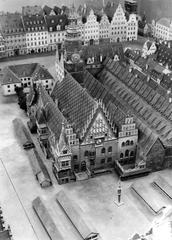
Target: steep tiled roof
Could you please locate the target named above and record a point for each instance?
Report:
(34, 23)
(57, 10)
(23, 70)
(110, 50)
(11, 21)
(9, 77)
(47, 10)
(54, 117)
(74, 102)
(151, 109)
(41, 73)
(55, 20)
(117, 112)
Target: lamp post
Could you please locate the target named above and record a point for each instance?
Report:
(119, 192)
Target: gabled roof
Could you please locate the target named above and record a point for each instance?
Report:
(63, 141)
(41, 73)
(74, 102)
(105, 50)
(23, 70)
(116, 111)
(54, 118)
(33, 21)
(54, 20)
(47, 10)
(11, 21)
(9, 77)
(57, 10)
(151, 108)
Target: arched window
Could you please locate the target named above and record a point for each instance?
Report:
(131, 142)
(121, 155)
(86, 154)
(103, 150)
(132, 154)
(126, 153)
(110, 149)
(123, 144)
(127, 142)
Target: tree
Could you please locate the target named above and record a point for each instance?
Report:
(21, 98)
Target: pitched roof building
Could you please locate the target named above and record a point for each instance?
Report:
(24, 75)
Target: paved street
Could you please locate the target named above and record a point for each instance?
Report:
(95, 196)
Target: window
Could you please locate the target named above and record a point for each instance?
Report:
(102, 161)
(132, 154)
(103, 150)
(86, 153)
(132, 142)
(8, 86)
(121, 155)
(64, 151)
(109, 159)
(110, 149)
(127, 142)
(126, 153)
(65, 163)
(92, 162)
(9, 91)
(75, 157)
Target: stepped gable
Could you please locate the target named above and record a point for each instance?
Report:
(9, 77)
(23, 70)
(74, 102)
(54, 117)
(63, 141)
(116, 111)
(105, 50)
(151, 110)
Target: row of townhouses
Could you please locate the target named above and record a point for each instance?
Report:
(35, 32)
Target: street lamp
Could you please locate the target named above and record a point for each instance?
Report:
(119, 192)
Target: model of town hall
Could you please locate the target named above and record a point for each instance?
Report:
(86, 112)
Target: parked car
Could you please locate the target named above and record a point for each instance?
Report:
(28, 145)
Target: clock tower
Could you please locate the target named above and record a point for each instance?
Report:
(73, 43)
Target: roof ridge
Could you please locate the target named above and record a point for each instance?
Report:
(8, 67)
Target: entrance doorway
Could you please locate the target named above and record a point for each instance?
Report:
(83, 166)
